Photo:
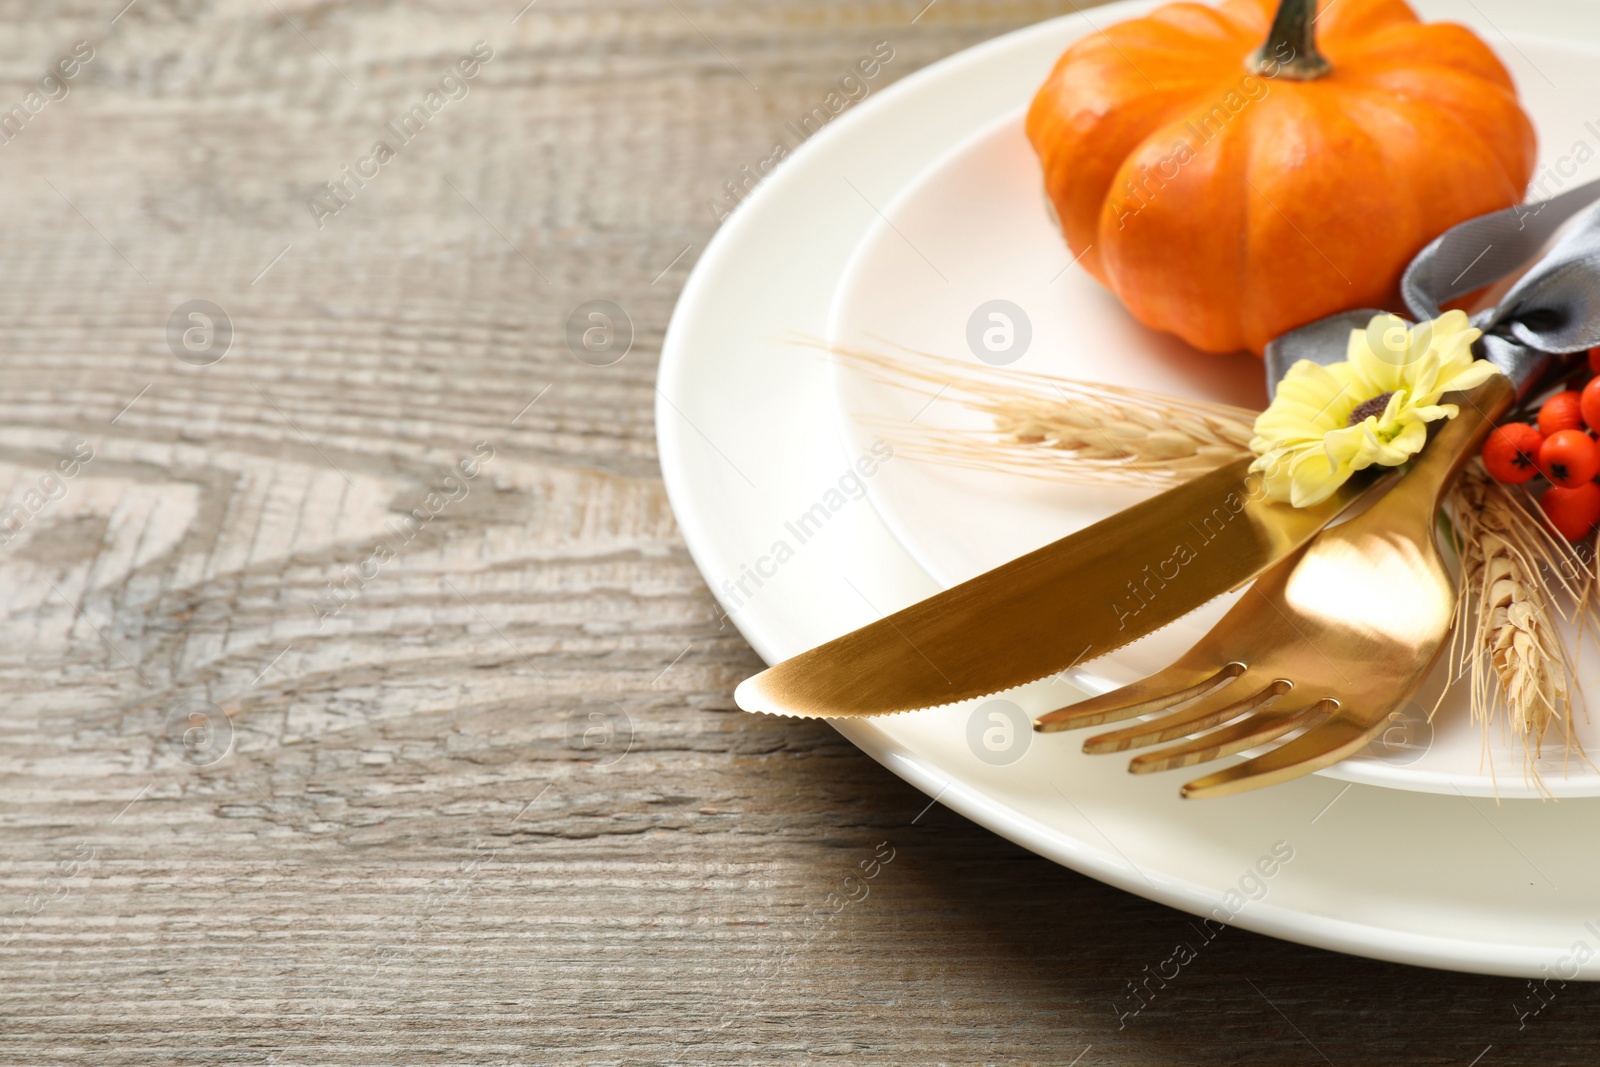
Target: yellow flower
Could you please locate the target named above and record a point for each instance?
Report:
(1326, 423)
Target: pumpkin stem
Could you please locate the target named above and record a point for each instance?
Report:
(1290, 50)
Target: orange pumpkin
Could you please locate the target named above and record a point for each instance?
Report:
(1228, 190)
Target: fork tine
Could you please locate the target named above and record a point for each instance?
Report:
(1243, 694)
(1156, 693)
(1236, 737)
(1330, 741)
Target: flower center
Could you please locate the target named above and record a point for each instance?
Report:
(1374, 407)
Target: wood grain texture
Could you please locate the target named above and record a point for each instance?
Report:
(498, 807)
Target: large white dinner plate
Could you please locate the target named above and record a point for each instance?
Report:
(749, 443)
(971, 229)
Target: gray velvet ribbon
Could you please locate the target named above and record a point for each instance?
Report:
(1553, 308)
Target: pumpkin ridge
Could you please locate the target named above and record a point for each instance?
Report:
(1186, 203)
(1461, 129)
(1418, 47)
(1153, 73)
(1424, 208)
(1514, 178)
(1202, 22)
(1254, 17)
(1341, 20)
(1304, 248)
(1109, 144)
(1515, 151)
(1173, 48)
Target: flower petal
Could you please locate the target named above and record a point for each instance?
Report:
(1304, 442)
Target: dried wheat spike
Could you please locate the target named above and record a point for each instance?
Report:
(1512, 571)
(1060, 428)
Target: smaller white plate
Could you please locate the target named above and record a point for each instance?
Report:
(972, 229)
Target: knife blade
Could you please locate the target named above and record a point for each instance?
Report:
(1073, 600)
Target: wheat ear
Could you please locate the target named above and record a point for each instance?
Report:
(1506, 641)
(1058, 428)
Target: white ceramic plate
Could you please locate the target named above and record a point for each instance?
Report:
(972, 229)
(748, 440)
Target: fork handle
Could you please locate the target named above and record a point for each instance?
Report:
(1456, 442)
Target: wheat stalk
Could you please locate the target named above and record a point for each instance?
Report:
(1058, 428)
(1506, 642)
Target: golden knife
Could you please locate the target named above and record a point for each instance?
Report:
(1070, 601)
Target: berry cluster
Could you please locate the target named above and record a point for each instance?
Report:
(1562, 449)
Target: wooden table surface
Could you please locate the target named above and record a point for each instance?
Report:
(272, 795)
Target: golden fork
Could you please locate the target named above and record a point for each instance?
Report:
(1335, 638)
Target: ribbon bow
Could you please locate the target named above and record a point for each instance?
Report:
(1553, 308)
